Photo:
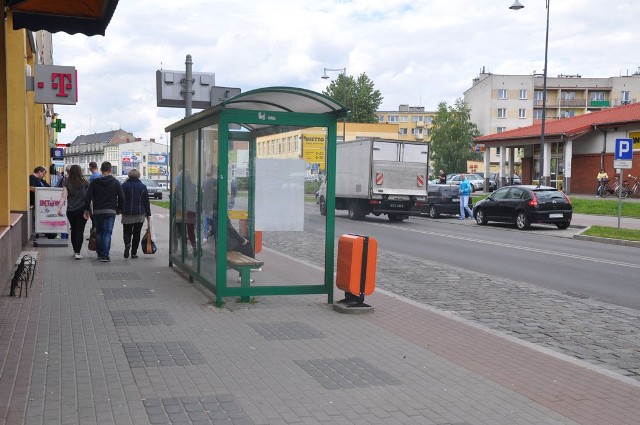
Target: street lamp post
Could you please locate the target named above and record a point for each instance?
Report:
(344, 96)
(517, 6)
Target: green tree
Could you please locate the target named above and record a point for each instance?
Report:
(358, 95)
(452, 137)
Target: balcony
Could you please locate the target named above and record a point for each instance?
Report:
(599, 103)
(618, 102)
(419, 124)
(573, 103)
(419, 136)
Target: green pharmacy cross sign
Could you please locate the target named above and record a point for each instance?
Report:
(58, 125)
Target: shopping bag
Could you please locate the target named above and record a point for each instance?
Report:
(92, 240)
(148, 245)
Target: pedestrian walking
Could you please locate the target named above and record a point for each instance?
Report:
(602, 178)
(93, 170)
(74, 191)
(136, 209)
(107, 197)
(465, 192)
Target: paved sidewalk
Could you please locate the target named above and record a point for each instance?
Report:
(133, 342)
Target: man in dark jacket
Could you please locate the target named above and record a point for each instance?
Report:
(108, 200)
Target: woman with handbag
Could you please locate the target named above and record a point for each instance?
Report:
(136, 208)
(74, 190)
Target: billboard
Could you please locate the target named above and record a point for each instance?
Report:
(313, 150)
(130, 160)
(158, 164)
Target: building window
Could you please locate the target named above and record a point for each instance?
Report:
(428, 120)
(597, 95)
(567, 114)
(568, 95)
(522, 113)
(380, 118)
(416, 118)
(402, 131)
(523, 94)
(625, 97)
(502, 93)
(537, 114)
(404, 118)
(502, 113)
(501, 129)
(415, 131)
(393, 118)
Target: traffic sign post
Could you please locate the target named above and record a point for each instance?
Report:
(622, 160)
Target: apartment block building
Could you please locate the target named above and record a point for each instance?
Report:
(503, 102)
(414, 123)
(500, 103)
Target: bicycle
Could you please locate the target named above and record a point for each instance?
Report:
(635, 189)
(605, 189)
(626, 191)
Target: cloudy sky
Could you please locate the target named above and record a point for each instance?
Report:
(417, 52)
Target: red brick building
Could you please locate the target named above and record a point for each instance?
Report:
(574, 148)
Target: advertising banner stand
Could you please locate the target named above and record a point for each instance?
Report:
(49, 218)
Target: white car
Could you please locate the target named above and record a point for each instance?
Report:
(477, 182)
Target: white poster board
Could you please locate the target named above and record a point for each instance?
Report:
(45, 212)
(279, 194)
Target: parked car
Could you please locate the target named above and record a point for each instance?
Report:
(153, 188)
(494, 177)
(477, 182)
(443, 199)
(525, 205)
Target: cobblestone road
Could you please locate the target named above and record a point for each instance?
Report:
(599, 333)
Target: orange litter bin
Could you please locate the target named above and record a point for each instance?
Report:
(356, 274)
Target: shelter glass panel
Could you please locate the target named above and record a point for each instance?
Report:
(177, 213)
(191, 198)
(209, 166)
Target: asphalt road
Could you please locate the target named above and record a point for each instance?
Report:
(544, 256)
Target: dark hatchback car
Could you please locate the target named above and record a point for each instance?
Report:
(442, 199)
(525, 205)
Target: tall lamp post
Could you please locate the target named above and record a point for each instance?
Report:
(517, 6)
(344, 96)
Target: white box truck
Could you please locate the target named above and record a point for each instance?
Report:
(379, 176)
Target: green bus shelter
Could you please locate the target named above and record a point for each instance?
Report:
(240, 168)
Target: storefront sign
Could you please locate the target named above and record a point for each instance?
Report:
(49, 215)
(56, 84)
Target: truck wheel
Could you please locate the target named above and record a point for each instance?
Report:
(354, 210)
(323, 205)
(433, 211)
(396, 217)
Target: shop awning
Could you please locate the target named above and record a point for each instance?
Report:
(88, 17)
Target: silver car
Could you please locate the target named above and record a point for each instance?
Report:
(477, 182)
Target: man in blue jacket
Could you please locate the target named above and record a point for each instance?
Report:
(108, 200)
(465, 191)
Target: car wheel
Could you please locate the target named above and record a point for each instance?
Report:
(160, 196)
(563, 225)
(323, 205)
(480, 217)
(522, 221)
(433, 212)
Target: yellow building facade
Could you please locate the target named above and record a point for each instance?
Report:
(24, 136)
(310, 143)
(414, 123)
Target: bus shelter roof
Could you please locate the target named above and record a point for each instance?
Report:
(270, 99)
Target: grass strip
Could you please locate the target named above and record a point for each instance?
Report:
(613, 233)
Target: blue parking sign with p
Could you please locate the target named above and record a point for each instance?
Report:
(624, 149)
